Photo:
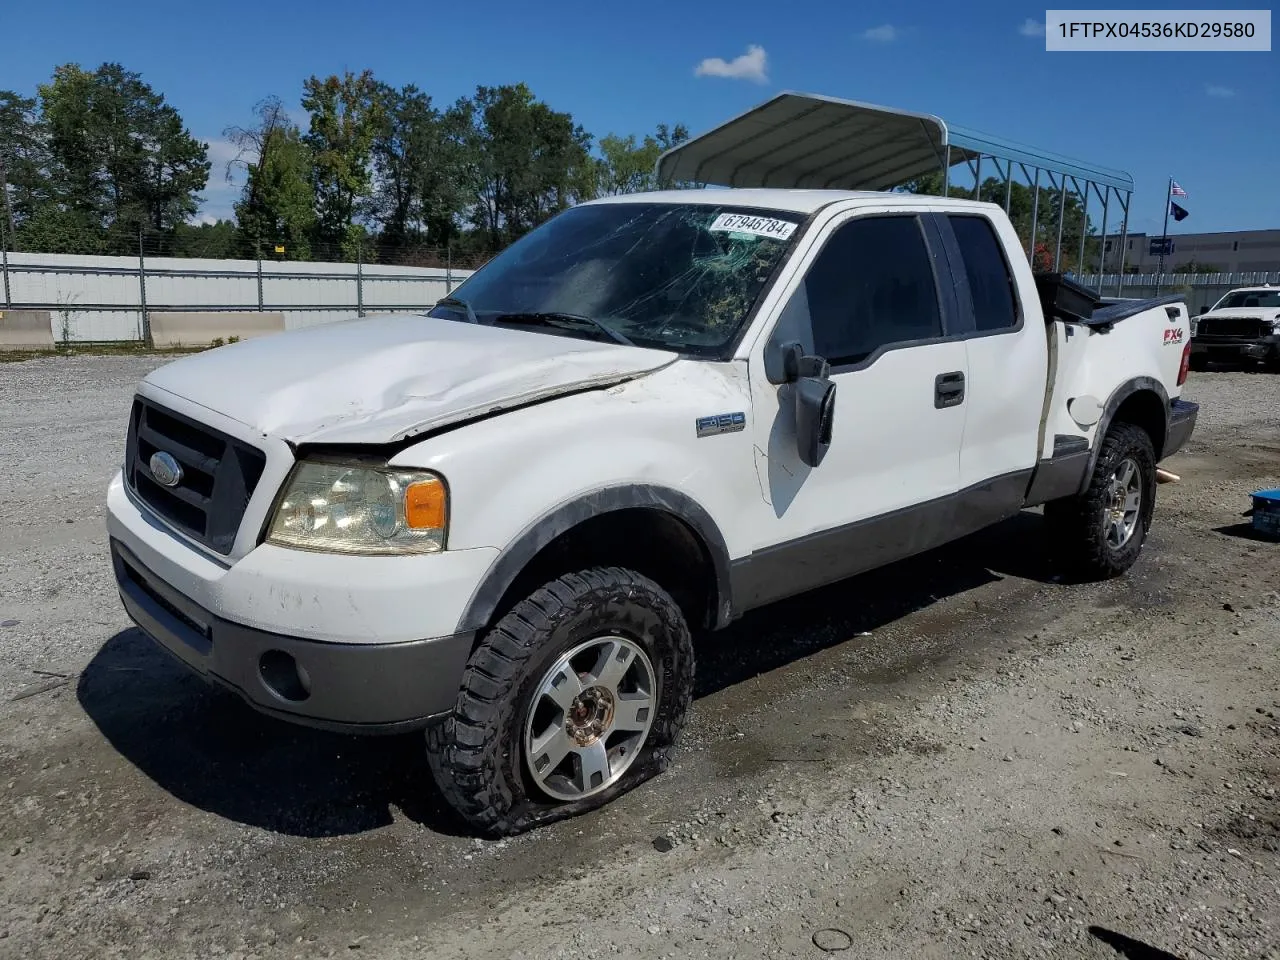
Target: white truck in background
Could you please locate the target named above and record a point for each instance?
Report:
(504, 521)
(1242, 327)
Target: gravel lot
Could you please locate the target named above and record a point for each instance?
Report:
(954, 757)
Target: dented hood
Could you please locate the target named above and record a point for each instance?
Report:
(385, 379)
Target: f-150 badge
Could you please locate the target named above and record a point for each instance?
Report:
(721, 423)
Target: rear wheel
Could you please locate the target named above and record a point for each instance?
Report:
(576, 696)
(1099, 534)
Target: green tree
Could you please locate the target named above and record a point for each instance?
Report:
(277, 204)
(216, 241)
(417, 162)
(346, 113)
(120, 155)
(524, 162)
(24, 185)
(628, 166)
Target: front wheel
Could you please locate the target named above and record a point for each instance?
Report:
(576, 696)
(1100, 533)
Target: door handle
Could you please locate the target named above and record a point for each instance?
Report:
(948, 389)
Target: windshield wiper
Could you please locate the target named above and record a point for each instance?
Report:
(550, 317)
(459, 302)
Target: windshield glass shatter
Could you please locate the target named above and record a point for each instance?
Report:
(675, 276)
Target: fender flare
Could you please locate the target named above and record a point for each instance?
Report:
(513, 559)
(1118, 396)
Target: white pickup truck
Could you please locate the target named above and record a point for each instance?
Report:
(504, 520)
(1242, 326)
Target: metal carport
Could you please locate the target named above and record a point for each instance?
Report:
(809, 141)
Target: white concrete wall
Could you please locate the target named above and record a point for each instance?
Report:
(99, 298)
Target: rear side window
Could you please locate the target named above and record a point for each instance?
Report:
(871, 286)
(990, 283)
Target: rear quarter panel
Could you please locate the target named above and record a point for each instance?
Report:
(1096, 363)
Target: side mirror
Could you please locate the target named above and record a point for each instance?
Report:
(788, 362)
(815, 396)
(815, 416)
(1205, 308)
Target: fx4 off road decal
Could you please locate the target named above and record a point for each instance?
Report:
(1172, 335)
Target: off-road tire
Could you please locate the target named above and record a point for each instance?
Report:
(476, 753)
(1076, 524)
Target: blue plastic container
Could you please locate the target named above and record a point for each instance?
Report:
(1266, 513)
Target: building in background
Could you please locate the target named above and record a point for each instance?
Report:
(1239, 251)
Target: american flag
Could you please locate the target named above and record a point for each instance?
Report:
(1176, 190)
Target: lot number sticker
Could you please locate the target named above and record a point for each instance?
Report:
(756, 226)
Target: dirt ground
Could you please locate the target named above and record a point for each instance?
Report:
(954, 757)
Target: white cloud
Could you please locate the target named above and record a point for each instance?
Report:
(885, 33)
(1032, 28)
(751, 65)
(1214, 90)
(220, 194)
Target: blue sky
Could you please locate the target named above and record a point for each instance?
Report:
(1210, 120)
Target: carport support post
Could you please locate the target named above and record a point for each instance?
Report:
(448, 269)
(1124, 241)
(1035, 216)
(1102, 247)
(142, 295)
(1084, 221)
(1062, 213)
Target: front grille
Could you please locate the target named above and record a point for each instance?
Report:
(219, 473)
(1247, 327)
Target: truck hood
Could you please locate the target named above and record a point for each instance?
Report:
(1250, 313)
(389, 378)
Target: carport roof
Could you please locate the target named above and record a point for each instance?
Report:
(806, 140)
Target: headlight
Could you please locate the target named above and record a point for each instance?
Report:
(1275, 324)
(1195, 326)
(355, 509)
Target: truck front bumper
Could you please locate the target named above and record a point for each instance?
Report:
(325, 641)
(1226, 350)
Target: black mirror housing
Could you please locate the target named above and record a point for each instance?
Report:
(788, 362)
(815, 418)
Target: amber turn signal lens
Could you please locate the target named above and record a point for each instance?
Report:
(424, 505)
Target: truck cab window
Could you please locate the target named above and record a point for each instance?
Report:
(990, 284)
(872, 285)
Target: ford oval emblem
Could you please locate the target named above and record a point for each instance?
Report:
(166, 470)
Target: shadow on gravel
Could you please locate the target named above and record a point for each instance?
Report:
(209, 749)
(1129, 947)
(776, 635)
(1243, 531)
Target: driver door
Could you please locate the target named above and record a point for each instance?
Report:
(868, 301)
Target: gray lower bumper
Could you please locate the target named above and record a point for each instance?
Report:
(352, 688)
(1182, 420)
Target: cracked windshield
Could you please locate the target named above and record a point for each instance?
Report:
(675, 276)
